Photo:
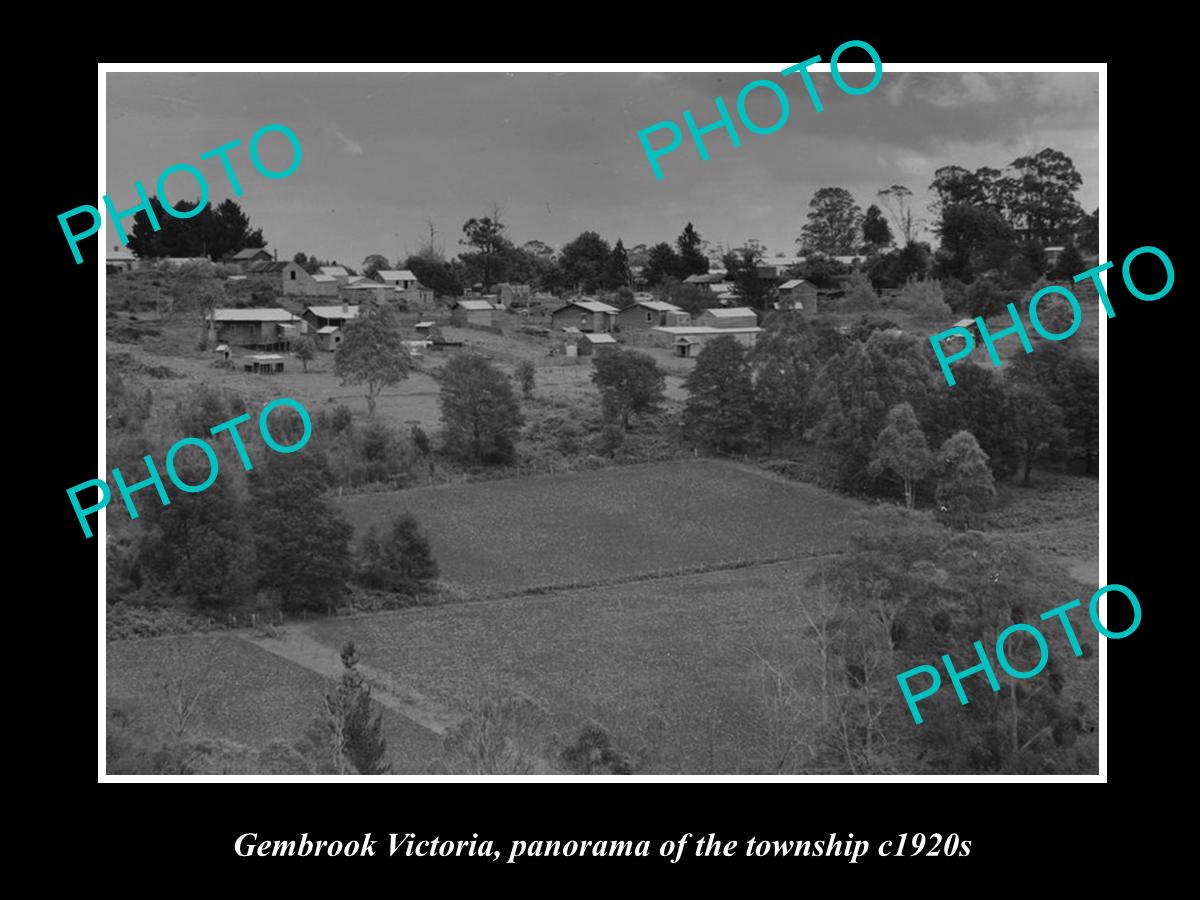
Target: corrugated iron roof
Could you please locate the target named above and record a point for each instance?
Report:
(334, 312)
(705, 329)
(334, 270)
(658, 305)
(323, 279)
(265, 267)
(268, 314)
(473, 305)
(599, 339)
(250, 252)
(590, 305)
(397, 275)
(731, 312)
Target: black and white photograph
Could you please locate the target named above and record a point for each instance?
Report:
(672, 423)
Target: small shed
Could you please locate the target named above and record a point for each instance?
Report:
(263, 364)
(687, 346)
(590, 344)
(329, 337)
(799, 295)
(466, 313)
(733, 317)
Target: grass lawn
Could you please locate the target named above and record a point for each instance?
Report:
(500, 536)
(253, 698)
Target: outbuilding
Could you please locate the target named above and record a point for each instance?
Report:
(798, 295)
(590, 344)
(469, 313)
(263, 364)
(733, 317)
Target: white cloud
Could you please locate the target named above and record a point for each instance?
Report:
(351, 146)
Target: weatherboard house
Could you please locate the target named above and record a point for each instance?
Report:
(318, 317)
(267, 327)
(586, 315)
(644, 314)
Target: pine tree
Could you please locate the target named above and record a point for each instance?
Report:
(618, 274)
(718, 412)
(347, 738)
(691, 260)
(406, 559)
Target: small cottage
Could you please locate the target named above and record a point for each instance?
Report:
(319, 317)
(469, 313)
(799, 295)
(645, 314)
(591, 344)
(586, 315)
(251, 327)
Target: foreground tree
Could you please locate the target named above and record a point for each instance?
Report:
(965, 483)
(720, 389)
(630, 383)
(372, 352)
(303, 545)
(481, 417)
(902, 450)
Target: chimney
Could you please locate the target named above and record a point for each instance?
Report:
(276, 254)
(345, 304)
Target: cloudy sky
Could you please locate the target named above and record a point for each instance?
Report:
(384, 153)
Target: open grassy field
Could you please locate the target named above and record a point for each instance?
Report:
(253, 697)
(500, 536)
(668, 664)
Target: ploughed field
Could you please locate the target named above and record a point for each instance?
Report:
(250, 696)
(672, 665)
(586, 528)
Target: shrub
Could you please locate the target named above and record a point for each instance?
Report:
(923, 296)
(859, 296)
